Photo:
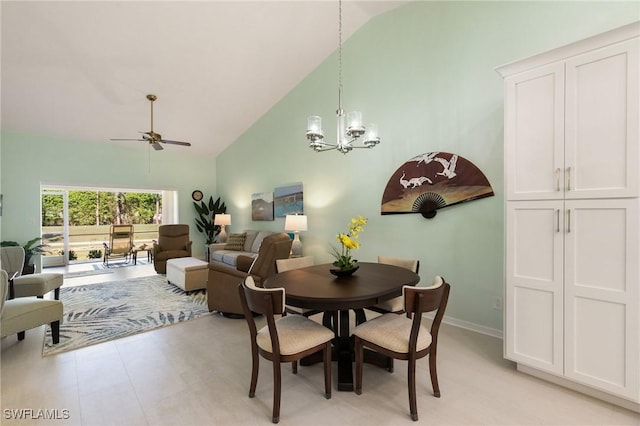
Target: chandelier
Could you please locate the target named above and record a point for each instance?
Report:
(350, 128)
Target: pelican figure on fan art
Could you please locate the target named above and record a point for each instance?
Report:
(433, 180)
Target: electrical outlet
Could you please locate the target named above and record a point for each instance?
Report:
(497, 303)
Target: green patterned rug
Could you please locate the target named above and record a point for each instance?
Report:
(98, 313)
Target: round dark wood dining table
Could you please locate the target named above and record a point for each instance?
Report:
(314, 287)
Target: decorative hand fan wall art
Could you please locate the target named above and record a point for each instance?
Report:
(431, 181)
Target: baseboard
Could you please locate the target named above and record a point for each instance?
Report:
(469, 326)
(612, 399)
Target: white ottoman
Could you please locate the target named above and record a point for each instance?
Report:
(188, 273)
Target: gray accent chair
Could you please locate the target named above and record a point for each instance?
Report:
(19, 315)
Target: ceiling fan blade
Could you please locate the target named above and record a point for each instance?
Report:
(154, 139)
(175, 142)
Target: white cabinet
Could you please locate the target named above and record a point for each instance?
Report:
(572, 155)
(572, 127)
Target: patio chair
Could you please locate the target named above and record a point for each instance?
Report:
(120, 243)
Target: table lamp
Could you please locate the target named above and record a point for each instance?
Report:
(223, 220)
(296, 223)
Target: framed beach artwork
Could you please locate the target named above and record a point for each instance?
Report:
(262, 206)
(288, 200)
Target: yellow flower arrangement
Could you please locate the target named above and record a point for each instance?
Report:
(347, 243)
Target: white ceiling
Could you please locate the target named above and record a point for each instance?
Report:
(81, 70)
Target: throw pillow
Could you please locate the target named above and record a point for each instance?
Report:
(235, 242)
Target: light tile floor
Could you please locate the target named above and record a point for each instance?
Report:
(197, 373)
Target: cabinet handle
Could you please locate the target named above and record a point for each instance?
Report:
(557, 220)
(569, 220)
(568, 178)
(558, 179)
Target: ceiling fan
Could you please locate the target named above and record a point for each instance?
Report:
(154, 139)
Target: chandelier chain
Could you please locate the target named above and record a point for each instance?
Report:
(340, 55)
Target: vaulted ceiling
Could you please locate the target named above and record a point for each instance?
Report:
(81, 70)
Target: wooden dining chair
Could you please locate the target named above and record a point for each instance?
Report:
(283, 265)
(287, 339)
(395, 305)
(405, 338)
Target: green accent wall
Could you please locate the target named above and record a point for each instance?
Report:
(27, 161)
(425, 74)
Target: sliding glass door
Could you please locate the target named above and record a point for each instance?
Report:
(76, 222)
(55, 229)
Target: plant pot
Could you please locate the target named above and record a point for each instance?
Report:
(343, 272)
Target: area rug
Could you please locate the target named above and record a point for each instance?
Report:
(98, 313)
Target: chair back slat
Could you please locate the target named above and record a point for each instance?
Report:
(410, 264)
(121, 237)
(431, 297)
(256, 300)
(283, 265)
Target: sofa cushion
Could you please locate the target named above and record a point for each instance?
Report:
(248, 241)
(258, 241)
(235, 242)
(230, 257)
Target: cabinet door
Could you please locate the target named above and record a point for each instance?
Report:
(534, 133)
(602, 156)
(534, 284)
(601, 295)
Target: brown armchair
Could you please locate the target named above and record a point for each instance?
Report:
(222, 286)
(173, 242)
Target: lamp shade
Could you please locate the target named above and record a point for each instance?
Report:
(295, 222)
(222, 219)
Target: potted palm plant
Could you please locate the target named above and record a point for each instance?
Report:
(206, 218)
(33, 247)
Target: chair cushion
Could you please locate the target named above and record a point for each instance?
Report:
(26, 313)
(392, 305)
(36, 284)
(235, 242)
(295, 334)
(392, 331)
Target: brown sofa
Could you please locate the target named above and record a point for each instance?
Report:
(222, 286)
(173, 242)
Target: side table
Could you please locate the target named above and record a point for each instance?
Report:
(143, 247)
